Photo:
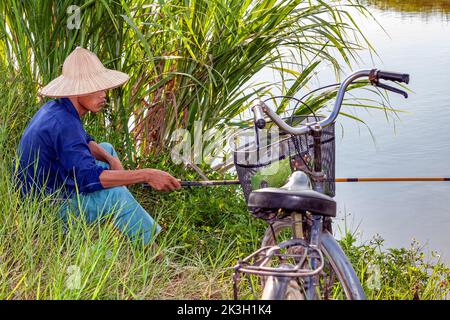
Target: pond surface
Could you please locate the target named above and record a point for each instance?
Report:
(418, 145)
(415, 40)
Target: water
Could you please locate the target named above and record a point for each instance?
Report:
(416, 146)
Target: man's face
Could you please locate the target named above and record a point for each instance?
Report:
(94, 101)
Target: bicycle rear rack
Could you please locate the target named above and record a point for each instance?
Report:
(258, 263)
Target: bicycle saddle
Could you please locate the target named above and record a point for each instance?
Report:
(295, 195)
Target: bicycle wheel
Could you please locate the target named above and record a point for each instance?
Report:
(282, 288)
(334, 283)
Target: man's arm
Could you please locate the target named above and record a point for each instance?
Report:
(99, 153)
(157, 179)
(78, 157)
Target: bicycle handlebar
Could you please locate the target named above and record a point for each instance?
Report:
(259, 116)
(392, 76)
(374, 76)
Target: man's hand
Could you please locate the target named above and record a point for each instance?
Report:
(161, 180)
(115, 164)
(157, 179)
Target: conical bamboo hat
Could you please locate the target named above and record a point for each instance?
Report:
(82, 74)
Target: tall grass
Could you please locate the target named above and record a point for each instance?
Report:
(188, 60)
(205, 233)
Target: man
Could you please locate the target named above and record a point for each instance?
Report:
(56, 153)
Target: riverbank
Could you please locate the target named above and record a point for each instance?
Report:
(423, 6)
(206, 230)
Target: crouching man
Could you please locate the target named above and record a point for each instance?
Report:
(56, 152)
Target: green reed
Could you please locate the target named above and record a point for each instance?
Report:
(188, 61)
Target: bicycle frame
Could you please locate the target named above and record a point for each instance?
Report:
(323, 239)
(319, 239)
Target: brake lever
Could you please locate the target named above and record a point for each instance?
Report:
(386, 87)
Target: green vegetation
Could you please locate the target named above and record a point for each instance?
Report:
(405, 273)
(423, 6)
(206, 230)
(188, 61)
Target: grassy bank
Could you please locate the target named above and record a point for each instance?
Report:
(413, 5)
(206, 230)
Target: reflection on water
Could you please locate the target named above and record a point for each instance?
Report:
(425, 7)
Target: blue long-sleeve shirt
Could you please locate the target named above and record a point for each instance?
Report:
(54, 149)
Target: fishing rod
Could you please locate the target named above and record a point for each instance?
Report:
(207, 183)
(412, 179)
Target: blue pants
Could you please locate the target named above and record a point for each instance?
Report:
(117, 203)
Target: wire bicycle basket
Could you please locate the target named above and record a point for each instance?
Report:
(266, 158)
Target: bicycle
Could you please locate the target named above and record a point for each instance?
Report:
(299, 258)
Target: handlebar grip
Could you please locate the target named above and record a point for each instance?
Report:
(260, 123)
(393, 76)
